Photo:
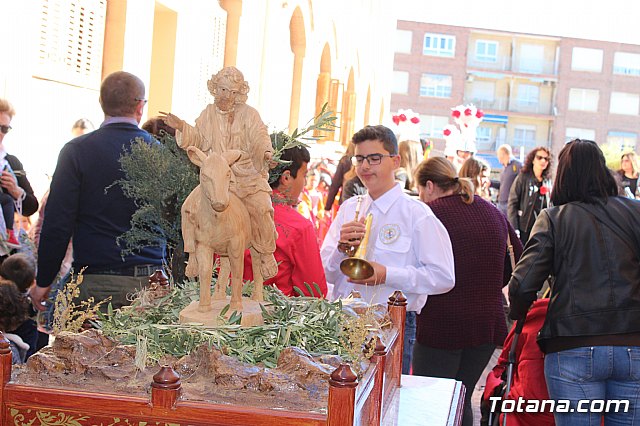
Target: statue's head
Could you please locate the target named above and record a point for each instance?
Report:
(228, 88)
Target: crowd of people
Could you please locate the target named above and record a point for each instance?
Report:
(439, 233)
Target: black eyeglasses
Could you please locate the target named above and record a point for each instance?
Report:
(372, 159)
(4, 129)
(541, 157)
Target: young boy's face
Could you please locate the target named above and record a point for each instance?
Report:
(378, 177)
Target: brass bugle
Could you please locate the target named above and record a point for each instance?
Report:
(356, 267)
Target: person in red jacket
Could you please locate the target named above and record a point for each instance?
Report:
(297, 251)
(528, 380)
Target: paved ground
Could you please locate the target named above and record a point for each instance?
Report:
(477, 393)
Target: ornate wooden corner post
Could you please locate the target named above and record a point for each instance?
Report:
(380, 359)
(5, 371)
(342, 396)
(397, 306)
(166, 388)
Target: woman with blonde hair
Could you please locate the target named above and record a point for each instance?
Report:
(410, 153)
(478, 171)
(629, 175)
(458, 331)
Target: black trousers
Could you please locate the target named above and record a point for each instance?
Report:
(465, 365)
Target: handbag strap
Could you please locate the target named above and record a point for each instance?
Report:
(512, 254)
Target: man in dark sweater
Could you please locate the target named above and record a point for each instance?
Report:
(81, 206)
(507, 175)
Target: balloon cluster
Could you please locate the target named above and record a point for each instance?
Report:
(463, 137)
(407, 125)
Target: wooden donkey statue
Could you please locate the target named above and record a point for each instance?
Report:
(214, 220)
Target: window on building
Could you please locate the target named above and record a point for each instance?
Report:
(486, 51)
(524, 137)
(626, 63)
(627, 141)
(483, 90)
(572, 133)
(403, 41)
(531, 58)
(439, 45)
(528, 94)
(624, 103)
(483, 138)
(400, 82)
(435, 85)
(585, 59)
(583, 100)
(431, 125)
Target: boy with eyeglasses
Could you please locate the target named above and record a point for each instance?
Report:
(408, 247)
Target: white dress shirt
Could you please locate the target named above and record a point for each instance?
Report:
(407, 238)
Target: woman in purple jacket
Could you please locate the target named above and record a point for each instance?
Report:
(458, 331)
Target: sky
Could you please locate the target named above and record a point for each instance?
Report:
(605, 20)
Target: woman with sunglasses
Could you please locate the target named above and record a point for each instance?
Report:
(16, 192)
(530, 192)
(589, 242)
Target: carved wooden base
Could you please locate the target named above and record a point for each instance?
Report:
(251, 313)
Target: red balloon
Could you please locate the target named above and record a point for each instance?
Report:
(403, 117)
(446, 132)
(415, 120)
(396, 119)
(467, 111)
(455, 113)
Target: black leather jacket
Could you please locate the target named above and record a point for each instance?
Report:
(596, 266)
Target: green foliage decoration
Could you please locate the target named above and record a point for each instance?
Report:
(315, 325)
(324, 121)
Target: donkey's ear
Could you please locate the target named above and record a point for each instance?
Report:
(196, 156)
(232, 156)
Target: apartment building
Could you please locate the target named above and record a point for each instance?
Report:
(535, 90)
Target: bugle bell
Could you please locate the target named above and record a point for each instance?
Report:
(356, 267)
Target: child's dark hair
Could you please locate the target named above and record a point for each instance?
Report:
(13, 306)
(19, 268)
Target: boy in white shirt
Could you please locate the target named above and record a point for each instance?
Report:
(408, 247)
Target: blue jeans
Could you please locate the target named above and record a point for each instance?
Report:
(409, 341)
(595, 373)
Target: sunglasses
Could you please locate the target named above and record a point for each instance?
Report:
(4, 129)
(542, 157)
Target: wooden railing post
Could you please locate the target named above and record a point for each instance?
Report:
(166, 388)
(397, 306)
(5, 371)
(380, 359)
(342, 396)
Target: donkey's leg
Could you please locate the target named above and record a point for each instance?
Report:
(237, 267)
(204, 255)
(189, 236)
(220, 292)
(258, 281)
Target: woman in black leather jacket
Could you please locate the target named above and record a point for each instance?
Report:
(530, 192)
(590, 243)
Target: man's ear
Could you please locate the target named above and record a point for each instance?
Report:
(285, 178)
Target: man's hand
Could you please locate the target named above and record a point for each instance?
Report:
(8, 182)
(38, 295)
(379, 276)
(352, 233)
(172, 120)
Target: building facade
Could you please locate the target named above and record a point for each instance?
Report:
(534, 90)
(296, 55)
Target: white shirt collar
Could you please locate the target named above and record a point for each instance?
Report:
(386, 200)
